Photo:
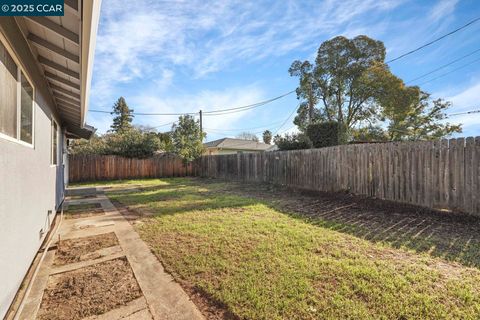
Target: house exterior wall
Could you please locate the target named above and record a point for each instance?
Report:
(30, 187)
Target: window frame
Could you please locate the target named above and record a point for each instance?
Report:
(54, 155)
(20, 72)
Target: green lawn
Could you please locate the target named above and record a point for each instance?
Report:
(262, 263)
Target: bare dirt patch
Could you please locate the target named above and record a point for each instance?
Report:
(89, 291)
(86, 248)
(75, 211)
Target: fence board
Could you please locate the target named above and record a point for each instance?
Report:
(96, 167)
(443, 174)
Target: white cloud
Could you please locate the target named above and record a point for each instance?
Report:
(467, 98)
(464, 101)
(442, 9)
(143, 38)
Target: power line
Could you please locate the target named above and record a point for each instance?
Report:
(447, 73)
(242, 143)
(246, 129)
(212, 112)
(443, 66)
(163, 125)
(433, 41)
(287, 129)
(291, 114)
(266, 126)
(149, 114)
(247, 107)
(230, 112)
(466, 112)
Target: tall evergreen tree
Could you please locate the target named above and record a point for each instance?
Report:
(123, 116)
(267, 136)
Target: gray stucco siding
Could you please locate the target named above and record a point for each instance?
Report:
(30, 187)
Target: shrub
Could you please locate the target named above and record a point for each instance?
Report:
(96, 145)
(293, 142)
(130, 143)
(369, 134)
(326, 134)
(133, 143)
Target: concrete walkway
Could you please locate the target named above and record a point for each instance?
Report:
(162, 298)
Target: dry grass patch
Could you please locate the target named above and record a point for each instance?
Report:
(85, 248)
(75, 211)
(89, 291)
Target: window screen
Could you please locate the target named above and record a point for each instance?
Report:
(26, 121)
(54, 143)
(8, 93)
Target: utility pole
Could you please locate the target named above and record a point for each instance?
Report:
(201, 122)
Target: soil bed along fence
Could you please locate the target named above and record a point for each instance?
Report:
(441, 174)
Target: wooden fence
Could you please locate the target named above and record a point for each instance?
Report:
(441, 174)
(96, 167)
(437, 174)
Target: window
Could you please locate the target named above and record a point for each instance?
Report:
(54, 143)
(8, 93)
(16, 100)
(26, 111)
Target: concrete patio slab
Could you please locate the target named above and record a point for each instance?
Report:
(165, 297)
(162, 298)
(82, 264)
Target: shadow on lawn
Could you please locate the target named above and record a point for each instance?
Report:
(162, 200)
(450, 236)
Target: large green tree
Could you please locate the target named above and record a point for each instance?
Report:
(304, 117)
(351, 84)
(123, 116)
(307, 90)
(335, 84)
(187, 138)
(407, 112)
(424, 120)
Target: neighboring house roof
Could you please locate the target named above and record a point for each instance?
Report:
(273, 148)
(64, 48)
(237, 144)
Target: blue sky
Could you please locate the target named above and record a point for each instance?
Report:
(182, 56)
